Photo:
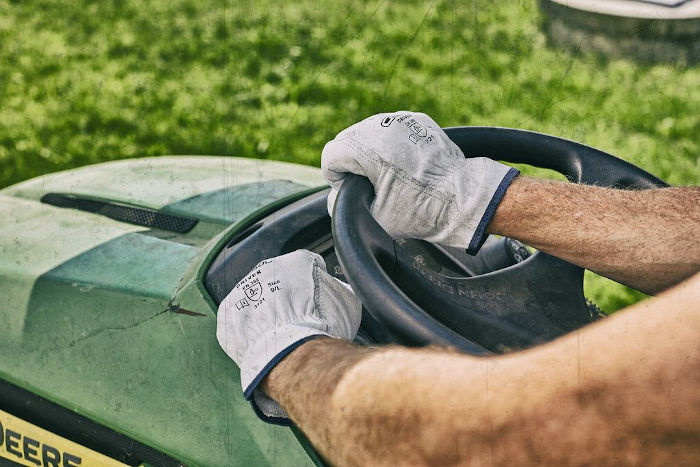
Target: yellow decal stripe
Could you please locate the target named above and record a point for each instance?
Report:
(27, 444)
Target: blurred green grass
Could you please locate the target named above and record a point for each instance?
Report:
(83, 82)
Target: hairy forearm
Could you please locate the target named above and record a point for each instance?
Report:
(623, 390)
(304, 384)
(647, 239)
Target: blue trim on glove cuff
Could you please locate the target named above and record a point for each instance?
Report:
(248, 393)
(480, 234)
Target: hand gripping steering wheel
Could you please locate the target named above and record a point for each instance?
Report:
(519, 306)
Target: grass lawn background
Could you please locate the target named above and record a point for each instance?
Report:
(84, 82)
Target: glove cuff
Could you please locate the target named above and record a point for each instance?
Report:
(480, 234)
(287, 339)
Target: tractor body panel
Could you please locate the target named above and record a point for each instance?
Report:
(89, 303)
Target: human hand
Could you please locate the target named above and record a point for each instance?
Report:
(424, 186)
(282, 303)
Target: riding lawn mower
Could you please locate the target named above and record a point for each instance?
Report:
(111, 275)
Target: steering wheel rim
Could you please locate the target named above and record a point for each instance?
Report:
(373, 264)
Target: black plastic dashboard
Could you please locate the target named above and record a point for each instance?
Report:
(305, 224)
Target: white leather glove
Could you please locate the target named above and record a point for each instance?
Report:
(282, 303)
(424, 186)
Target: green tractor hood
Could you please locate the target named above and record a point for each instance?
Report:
(93, 263)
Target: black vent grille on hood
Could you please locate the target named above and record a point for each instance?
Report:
(122, 212)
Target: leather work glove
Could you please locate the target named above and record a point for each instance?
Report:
(424, 186)
(282, 303)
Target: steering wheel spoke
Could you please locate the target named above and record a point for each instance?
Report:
(516, 307)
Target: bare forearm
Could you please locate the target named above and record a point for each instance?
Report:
(624, 390)
(304, 384)
(647, 239)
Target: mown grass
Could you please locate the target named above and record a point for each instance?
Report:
(83, 82)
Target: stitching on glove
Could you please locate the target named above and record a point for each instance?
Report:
(448, 202)
(315, 270)
(367, 153)
(372, 157)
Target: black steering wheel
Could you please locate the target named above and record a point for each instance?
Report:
(519, 306)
